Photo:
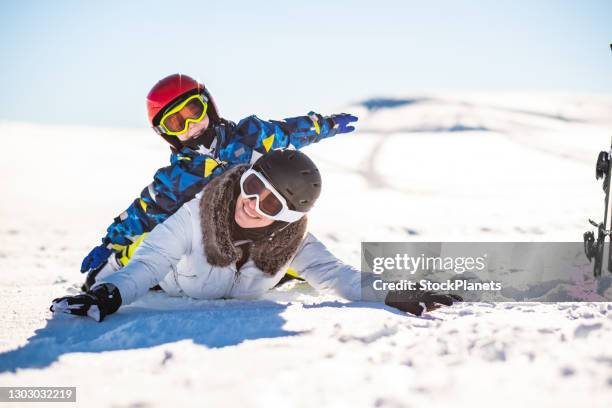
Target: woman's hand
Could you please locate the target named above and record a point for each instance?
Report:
(416, 301)
(97, 303)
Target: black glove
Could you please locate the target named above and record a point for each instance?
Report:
(415, 301)
(97, 303)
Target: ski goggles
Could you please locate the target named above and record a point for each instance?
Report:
(176, 121)
(269, 202)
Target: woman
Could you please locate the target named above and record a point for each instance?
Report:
(237, 241)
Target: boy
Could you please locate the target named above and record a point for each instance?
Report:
(182, 111)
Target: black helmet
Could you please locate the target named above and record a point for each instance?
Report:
(293, 175)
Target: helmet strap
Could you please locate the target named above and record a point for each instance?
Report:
(278, 230)
(212, 113)
(174, 141)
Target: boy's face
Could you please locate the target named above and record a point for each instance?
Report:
(194, 129)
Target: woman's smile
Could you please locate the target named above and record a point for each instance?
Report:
(250, 212)
(247, 217)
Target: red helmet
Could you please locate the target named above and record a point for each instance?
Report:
(172, 88)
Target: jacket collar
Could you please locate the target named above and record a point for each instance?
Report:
(217, 218)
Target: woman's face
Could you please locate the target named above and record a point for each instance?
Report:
(246, 216)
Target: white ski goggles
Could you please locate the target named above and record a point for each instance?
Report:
(269, 202)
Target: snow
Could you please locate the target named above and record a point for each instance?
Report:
(469, 167)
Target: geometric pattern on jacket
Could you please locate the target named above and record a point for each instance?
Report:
(190, 170)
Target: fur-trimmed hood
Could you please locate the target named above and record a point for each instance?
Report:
(217, 219)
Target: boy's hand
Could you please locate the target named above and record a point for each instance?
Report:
(417, 301)
(342, 120)
(96, 258)
(103, 300)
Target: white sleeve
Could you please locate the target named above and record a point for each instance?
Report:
(158, 253)
(324, 271)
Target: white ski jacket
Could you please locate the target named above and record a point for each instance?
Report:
(172, 255)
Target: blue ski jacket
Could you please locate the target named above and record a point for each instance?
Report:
(190, 170)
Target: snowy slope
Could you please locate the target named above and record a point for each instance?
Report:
(433, 168)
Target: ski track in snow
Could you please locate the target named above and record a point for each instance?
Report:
(497, 167)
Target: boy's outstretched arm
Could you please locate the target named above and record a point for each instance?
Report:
(261, 136)
(172, 186)
(190, 171)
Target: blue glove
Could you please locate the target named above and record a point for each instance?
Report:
(342, 120)
(96, 258)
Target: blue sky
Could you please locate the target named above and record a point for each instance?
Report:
(82, 62)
